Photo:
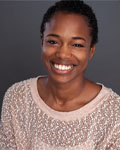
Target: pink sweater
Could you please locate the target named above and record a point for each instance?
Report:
(29, 124)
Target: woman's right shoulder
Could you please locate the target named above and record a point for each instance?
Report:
(18, 87)
(18, 91)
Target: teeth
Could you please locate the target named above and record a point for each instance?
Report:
(62, 67)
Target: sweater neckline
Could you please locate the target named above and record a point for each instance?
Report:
(71, 115)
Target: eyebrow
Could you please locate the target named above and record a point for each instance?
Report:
(78, 38)
(74, 38)
(54, 35)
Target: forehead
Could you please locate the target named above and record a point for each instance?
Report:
(69, 23)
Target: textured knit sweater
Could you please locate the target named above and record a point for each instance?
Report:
(27, 123)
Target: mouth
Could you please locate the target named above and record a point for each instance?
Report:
(62, 68)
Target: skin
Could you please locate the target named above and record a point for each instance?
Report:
(67, 41)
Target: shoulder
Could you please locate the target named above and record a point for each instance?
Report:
(111, 95)
(17, 93)
(111, 105)
(18, 88)
(114, 98)
(113, 111)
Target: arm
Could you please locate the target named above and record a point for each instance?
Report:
(7, 138)
(115, 139)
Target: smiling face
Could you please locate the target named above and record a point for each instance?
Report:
(66, 47)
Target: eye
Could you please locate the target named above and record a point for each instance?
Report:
(78, 45)
(52, 42)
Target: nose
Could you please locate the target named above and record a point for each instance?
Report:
(63, 52)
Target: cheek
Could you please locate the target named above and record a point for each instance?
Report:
(82, 56)
(48, 51)
(44, 57)
(45, 54)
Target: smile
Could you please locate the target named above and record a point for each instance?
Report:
(63, 67)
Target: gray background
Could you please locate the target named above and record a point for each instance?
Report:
(20, 43)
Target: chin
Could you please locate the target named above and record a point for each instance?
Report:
(62, 79)
(63, 75)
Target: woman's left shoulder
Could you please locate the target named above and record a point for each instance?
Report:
(114, 97)
(112, 103)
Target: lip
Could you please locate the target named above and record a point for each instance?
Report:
(63, 62)
(62, 72)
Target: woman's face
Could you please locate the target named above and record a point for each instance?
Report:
(66, 47)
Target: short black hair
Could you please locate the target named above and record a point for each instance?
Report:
(73, 6)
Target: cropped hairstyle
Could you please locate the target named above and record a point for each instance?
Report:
(73, 6)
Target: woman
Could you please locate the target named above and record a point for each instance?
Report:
(63, 110)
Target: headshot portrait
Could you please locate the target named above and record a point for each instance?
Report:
(60, 75)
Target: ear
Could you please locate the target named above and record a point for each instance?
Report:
(41, 42)
(92, 51)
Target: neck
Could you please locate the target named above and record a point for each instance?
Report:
(64, 93)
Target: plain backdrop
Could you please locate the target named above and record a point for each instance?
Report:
(20, 45)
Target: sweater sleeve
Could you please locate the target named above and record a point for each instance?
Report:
(114, 142)
(7, 137)
(14, 126)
